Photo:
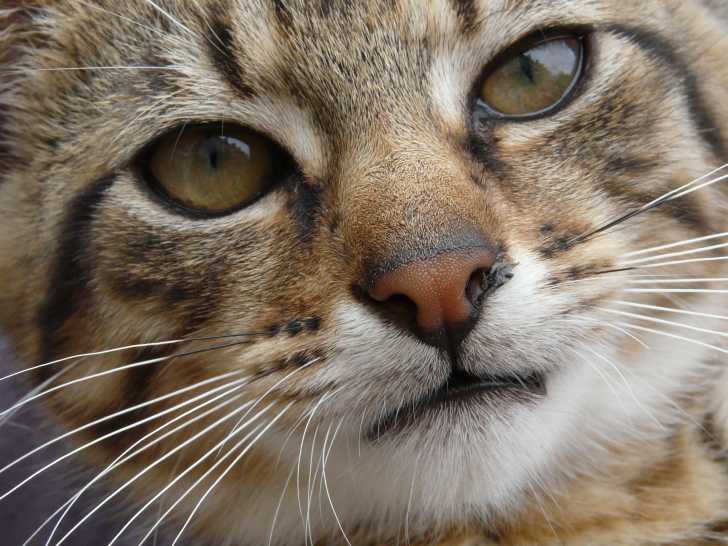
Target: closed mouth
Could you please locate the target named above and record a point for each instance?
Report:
(462, 389)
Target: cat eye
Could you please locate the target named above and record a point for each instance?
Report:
(535, 80)
(213, 169)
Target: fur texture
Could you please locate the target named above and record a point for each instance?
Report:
(373, 102)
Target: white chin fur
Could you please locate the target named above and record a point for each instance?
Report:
(482, 463)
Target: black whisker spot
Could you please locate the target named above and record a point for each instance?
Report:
(294, 327)
(312, 324)
(273, 330)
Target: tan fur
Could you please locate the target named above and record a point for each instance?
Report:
(389, 171)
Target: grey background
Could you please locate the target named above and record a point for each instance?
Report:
(25, 510)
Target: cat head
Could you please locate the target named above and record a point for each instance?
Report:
(404, 242)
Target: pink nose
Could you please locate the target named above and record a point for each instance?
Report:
(445, 288)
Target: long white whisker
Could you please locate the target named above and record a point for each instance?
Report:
(670, 310)
(326, 486)
(675, 245)
(84, 68)
(4, 419)
(307, 535)
(171, 18)
(123, 18)
(682, 262)
(675, 254)
(632, 394)
(126, 348)
(130, 452)
(228, 470)
(274, 387)
(699, 187)
(696, 280)
(280, 505)
(684, 187)
(674, 336)
(115, 371)
(410, 498)
(159, 461)
(666, 322)
(621, 330)
(674, 291)
(113, 416)
(182, 26)
(197, 482)
(300, 456)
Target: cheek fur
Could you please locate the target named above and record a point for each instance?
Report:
(583, 399)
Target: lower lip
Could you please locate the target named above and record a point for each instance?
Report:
(510, 391)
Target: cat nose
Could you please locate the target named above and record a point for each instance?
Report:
(446, 290)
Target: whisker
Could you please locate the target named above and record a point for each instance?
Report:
(128, 348)
(676, 254)
(300, 456)
(106, 436)
(228, 470)
(280, 505)
(22, 70)
(184, 27)
(150, 467)
(274, 387)
(670, 196)
(308, 531)
(632, 394)
(679, 281)
(675, 245)
(130, 453)
(674, 336)
(410, 498)
(118, 370)
(670, 310)
(682, 262)
(326, 484)
(673, 291)
(621, 330)
(131, 124)
(123, 18)
(666, 322)
(195, 484)
(4, 419)
(171, 18)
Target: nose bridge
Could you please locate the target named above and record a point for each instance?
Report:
(410, 206)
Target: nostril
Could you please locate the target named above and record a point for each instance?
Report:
(476, 286)
(402, 305)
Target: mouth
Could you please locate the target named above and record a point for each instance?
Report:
(462, 390)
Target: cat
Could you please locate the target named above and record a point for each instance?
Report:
(373, 273)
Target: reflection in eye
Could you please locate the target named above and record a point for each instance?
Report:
(535, 80)
(213, 172)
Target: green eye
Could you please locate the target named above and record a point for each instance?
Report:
(213, 170)
(536, 80)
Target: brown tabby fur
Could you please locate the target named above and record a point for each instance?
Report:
(391, 171)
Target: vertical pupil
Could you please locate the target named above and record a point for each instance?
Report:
(526, 66)
(212, 152)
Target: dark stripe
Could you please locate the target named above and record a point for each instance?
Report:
(305, 205)
(71, 272)
(225, 57)
(661, 49)
(283, 14)
(467, 12)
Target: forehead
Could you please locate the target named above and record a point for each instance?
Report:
(363, 60)
(302, 71)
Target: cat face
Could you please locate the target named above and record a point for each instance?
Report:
(410, 271)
